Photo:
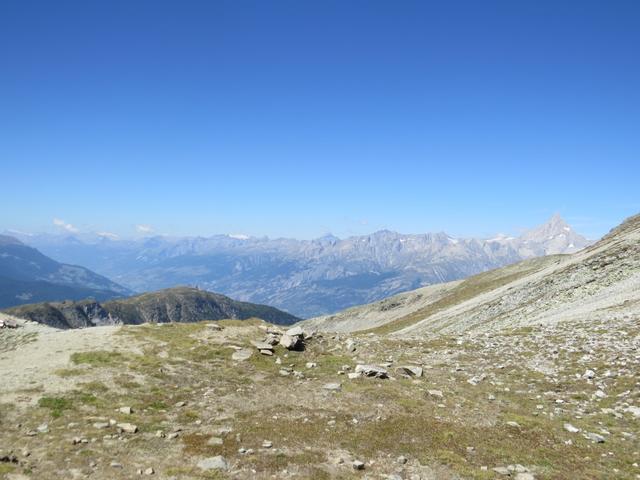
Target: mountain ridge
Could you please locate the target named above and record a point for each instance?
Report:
(179, 304)
(27, 275)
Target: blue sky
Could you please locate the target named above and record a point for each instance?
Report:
(295, 118)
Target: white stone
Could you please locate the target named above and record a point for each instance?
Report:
(332, 386)
(127, 427)
(295, 332)
(213, 463)
(242, 355)
(570, 428)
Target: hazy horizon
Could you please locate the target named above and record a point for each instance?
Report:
(61, 228)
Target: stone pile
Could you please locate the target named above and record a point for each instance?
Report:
(291, 339)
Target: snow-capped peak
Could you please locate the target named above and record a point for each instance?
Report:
(239, 236)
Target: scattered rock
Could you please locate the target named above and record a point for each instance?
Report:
(358, 465)
(475, 380)
(295, 332)
(262, 346)
(223, 431)
(332, 386)
(435, 393)
(213, 463)
(600, 394)
(570, 428)
(524, 476)
(635, 411)
(371, 371)
(215, 442)
(126, 410)
(350, 346)
(409, 371)
(289, 342)
(241, 355)
(594, 437)
(8, 458)
(127, 427)
(8, 323)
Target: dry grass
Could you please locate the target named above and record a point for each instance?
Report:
(310, 427)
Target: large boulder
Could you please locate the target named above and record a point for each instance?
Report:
(291, 342)
(8, 323)
(295, 332)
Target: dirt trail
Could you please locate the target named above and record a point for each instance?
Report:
(31, 353)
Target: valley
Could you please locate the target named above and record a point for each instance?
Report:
(306, 278)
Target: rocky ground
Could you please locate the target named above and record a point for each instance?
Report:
(230, 400)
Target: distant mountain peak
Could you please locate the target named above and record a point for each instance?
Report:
(554, 226)
(557, 221)
(239, 236)
(328, 238)
(557, 236)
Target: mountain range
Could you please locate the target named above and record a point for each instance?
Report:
(304, 277)
(598, 284)
(27, 276)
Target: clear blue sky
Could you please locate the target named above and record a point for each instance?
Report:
(295, 118)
